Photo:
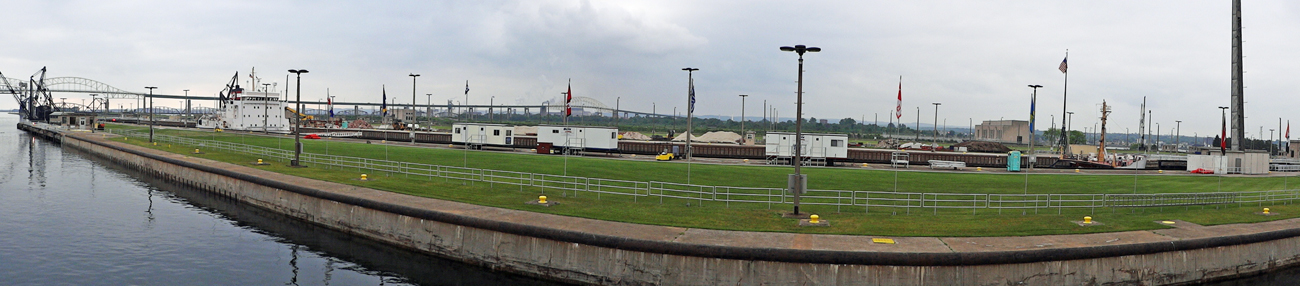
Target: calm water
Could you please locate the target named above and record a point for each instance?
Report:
(69, 219)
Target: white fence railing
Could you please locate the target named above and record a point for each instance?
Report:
(700, 195)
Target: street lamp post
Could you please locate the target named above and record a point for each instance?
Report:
(742, 119)
(798, 178)
(297, 128)
(266, 87)
(1066, 132)
(1178, 130)
(935, 140)
(187, 103)
(151, 123)
(413, 76)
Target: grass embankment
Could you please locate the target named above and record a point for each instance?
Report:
(758, 217)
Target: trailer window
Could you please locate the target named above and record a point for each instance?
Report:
(613, 135)
(457, 129)
(496, 132)
(836, 143)
(556, 131)
(508, 132)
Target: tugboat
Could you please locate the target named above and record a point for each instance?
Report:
(247, 110)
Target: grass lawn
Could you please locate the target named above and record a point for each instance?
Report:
(759, 217)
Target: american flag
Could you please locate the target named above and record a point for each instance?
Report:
(1063, 65)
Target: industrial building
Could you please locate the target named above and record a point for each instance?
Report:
(1006, 131)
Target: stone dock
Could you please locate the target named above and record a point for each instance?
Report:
(586, 251)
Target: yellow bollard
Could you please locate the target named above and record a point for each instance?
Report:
(979, 168)
(746, 160)
(155, 143)
(1265, 210)
(865, 165)
(259, 161)
(1161, 171)
(541, 199)
(364, 177)
(1076, 170)
(814, 219)
(196, 151)
(1087, 220)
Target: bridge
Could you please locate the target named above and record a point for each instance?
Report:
(90, 86)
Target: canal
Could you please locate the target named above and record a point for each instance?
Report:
(67, 218)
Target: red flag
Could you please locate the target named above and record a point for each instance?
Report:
(1288, 130)
(568, 98)
(899, 114)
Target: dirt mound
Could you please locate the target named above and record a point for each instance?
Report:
(633, 135)
(359, 124)
(984, 147)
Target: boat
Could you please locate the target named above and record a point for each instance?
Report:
(243, 110)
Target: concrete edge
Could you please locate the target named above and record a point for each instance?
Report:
(733, 252)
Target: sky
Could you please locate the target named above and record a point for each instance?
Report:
(976, 58)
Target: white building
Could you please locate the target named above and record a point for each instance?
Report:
(1232, 162)
(579, 137)
(478, 134)
(817, 147)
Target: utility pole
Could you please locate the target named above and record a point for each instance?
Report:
(151, 122)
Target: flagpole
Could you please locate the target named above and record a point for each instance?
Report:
(1065, 96)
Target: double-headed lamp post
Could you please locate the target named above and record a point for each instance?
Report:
(742, 118)
(297, 126)
(798, 179)
(151, 123)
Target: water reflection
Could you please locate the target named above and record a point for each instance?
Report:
(78, 221)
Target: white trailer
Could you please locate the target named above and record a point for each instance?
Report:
(579, 137)
(479, 134)
(817, 148)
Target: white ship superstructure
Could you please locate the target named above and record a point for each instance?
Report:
(248, 111)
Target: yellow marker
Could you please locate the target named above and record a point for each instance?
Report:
(1161, 171)
(155, 143)
(541, 199)
(883, 240)
(1076, 170)
(196, 151)
(746, 160)
(814, 219)
(364, 177)
(1265, 210)
(1167, 222)
(259, 161)
(865, 164)
(979, 168)
(1087, 220)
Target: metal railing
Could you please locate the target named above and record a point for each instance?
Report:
(700, 195)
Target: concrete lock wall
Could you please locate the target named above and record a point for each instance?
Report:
(541, 256)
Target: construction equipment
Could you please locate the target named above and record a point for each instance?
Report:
(290, 110)
(34, 100)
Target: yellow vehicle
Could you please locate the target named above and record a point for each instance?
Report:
(665, 157)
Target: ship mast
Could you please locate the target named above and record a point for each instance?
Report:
(1101, 144)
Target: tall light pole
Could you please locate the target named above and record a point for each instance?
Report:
(187, 103)
(742, 117)
(151, 123)
(266, 87)
(428, 97)
(935, 140)
(690, 109)
(297, 128)
(798, 178)
(1066, 132)
(1178, 130)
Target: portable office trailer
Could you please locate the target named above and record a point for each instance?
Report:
(831, 147)
(579, 137)
(482, 134)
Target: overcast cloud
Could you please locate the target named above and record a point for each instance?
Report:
(976, 57)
